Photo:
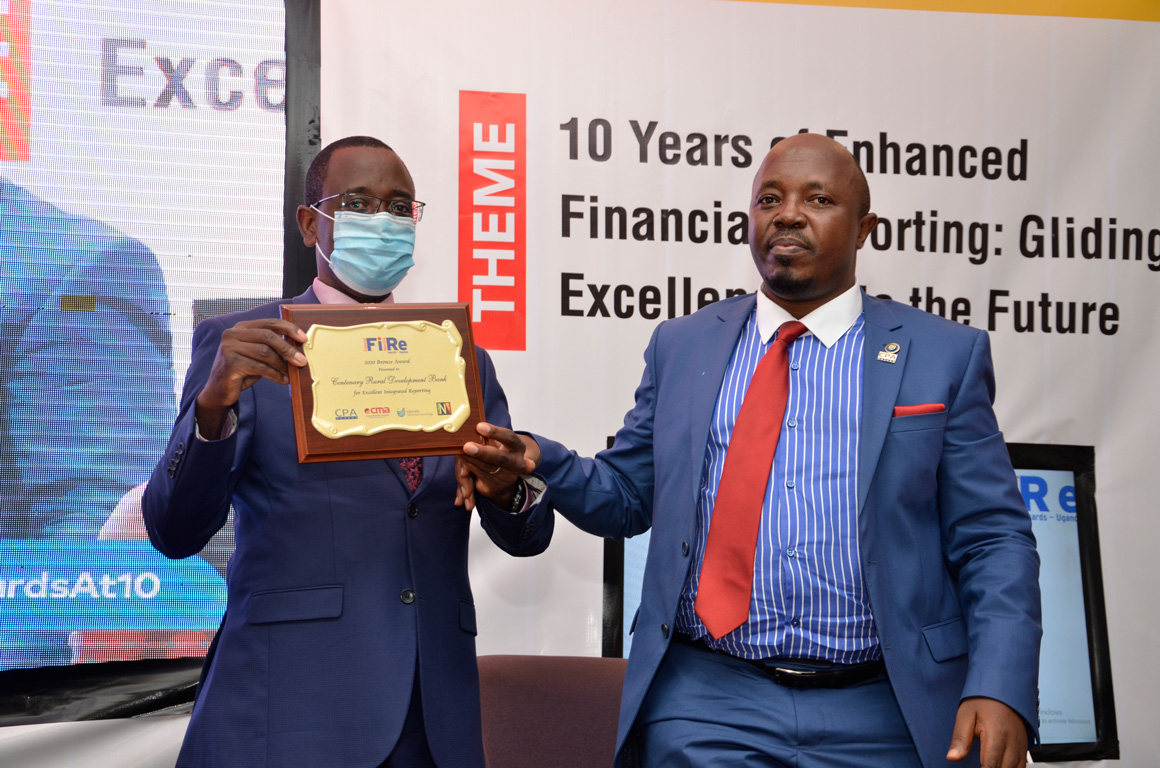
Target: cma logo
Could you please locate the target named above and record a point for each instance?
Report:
(377, 409)
(342, 414)
(224, 81)
(389, 344)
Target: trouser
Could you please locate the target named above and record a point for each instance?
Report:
(706, 709)
(411, 750)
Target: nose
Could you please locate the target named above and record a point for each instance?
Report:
(789, 214)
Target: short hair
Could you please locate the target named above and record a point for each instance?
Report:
(320, 165)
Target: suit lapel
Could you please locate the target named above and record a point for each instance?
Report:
(431, 465)
(880, 383)
(717, 346)
(400, 475)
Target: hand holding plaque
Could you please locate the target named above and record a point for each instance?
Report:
(384, 381)
(493, 466)
(249, 351)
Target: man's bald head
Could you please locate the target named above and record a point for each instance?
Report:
(808, 216)
(861, 185)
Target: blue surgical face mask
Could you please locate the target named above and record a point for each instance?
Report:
(372, 253)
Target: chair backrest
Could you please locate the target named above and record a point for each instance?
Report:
(550, 711)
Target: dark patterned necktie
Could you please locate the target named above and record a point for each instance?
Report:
(413, 471)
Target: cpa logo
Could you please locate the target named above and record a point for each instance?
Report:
(443, 409)
(343, 414)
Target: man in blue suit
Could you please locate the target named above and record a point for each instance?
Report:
(86, 368)
(349, 634)
(86, 383)
(893, 601)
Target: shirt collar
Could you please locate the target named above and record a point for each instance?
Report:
(329, 295)
(828, 322)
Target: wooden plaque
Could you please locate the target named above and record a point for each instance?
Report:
(385, 385)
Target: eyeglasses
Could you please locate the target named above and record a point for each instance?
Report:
(356, 202)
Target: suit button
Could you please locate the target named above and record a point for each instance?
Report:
(171, 472)
(685, 548)
(664, 630)
(408, 596)
(180, 448)
(412, 510)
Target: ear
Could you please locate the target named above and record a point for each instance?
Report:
(865, 227)
(308, 225)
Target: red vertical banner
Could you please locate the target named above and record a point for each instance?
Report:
(492, 216)
(15, 80)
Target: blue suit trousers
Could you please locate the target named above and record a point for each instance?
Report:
(707, 709)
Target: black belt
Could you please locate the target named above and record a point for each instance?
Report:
(801, 673)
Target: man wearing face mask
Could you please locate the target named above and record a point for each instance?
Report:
(349, 634)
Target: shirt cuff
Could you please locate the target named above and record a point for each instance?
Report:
(228, 428)
(534, 489)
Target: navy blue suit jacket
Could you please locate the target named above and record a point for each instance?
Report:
(86, 383)
(945, 542)
(86, 368)
(315, 659)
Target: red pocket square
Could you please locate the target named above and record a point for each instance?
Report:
(914, 410)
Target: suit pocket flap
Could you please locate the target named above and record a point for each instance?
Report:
(946, 640)
(918, 422)
(467, 617)
(295, 605)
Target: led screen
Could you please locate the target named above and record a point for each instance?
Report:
(141, 181)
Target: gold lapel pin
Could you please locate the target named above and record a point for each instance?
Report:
(890, 353)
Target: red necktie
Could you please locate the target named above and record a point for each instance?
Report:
(727, 570)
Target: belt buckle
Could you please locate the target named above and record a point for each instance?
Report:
(798, 678)
(836, 677)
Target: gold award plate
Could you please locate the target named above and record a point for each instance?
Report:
(384, 381)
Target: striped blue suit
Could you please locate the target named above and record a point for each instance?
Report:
(945, 543)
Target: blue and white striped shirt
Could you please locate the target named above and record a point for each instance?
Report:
(809, 600)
